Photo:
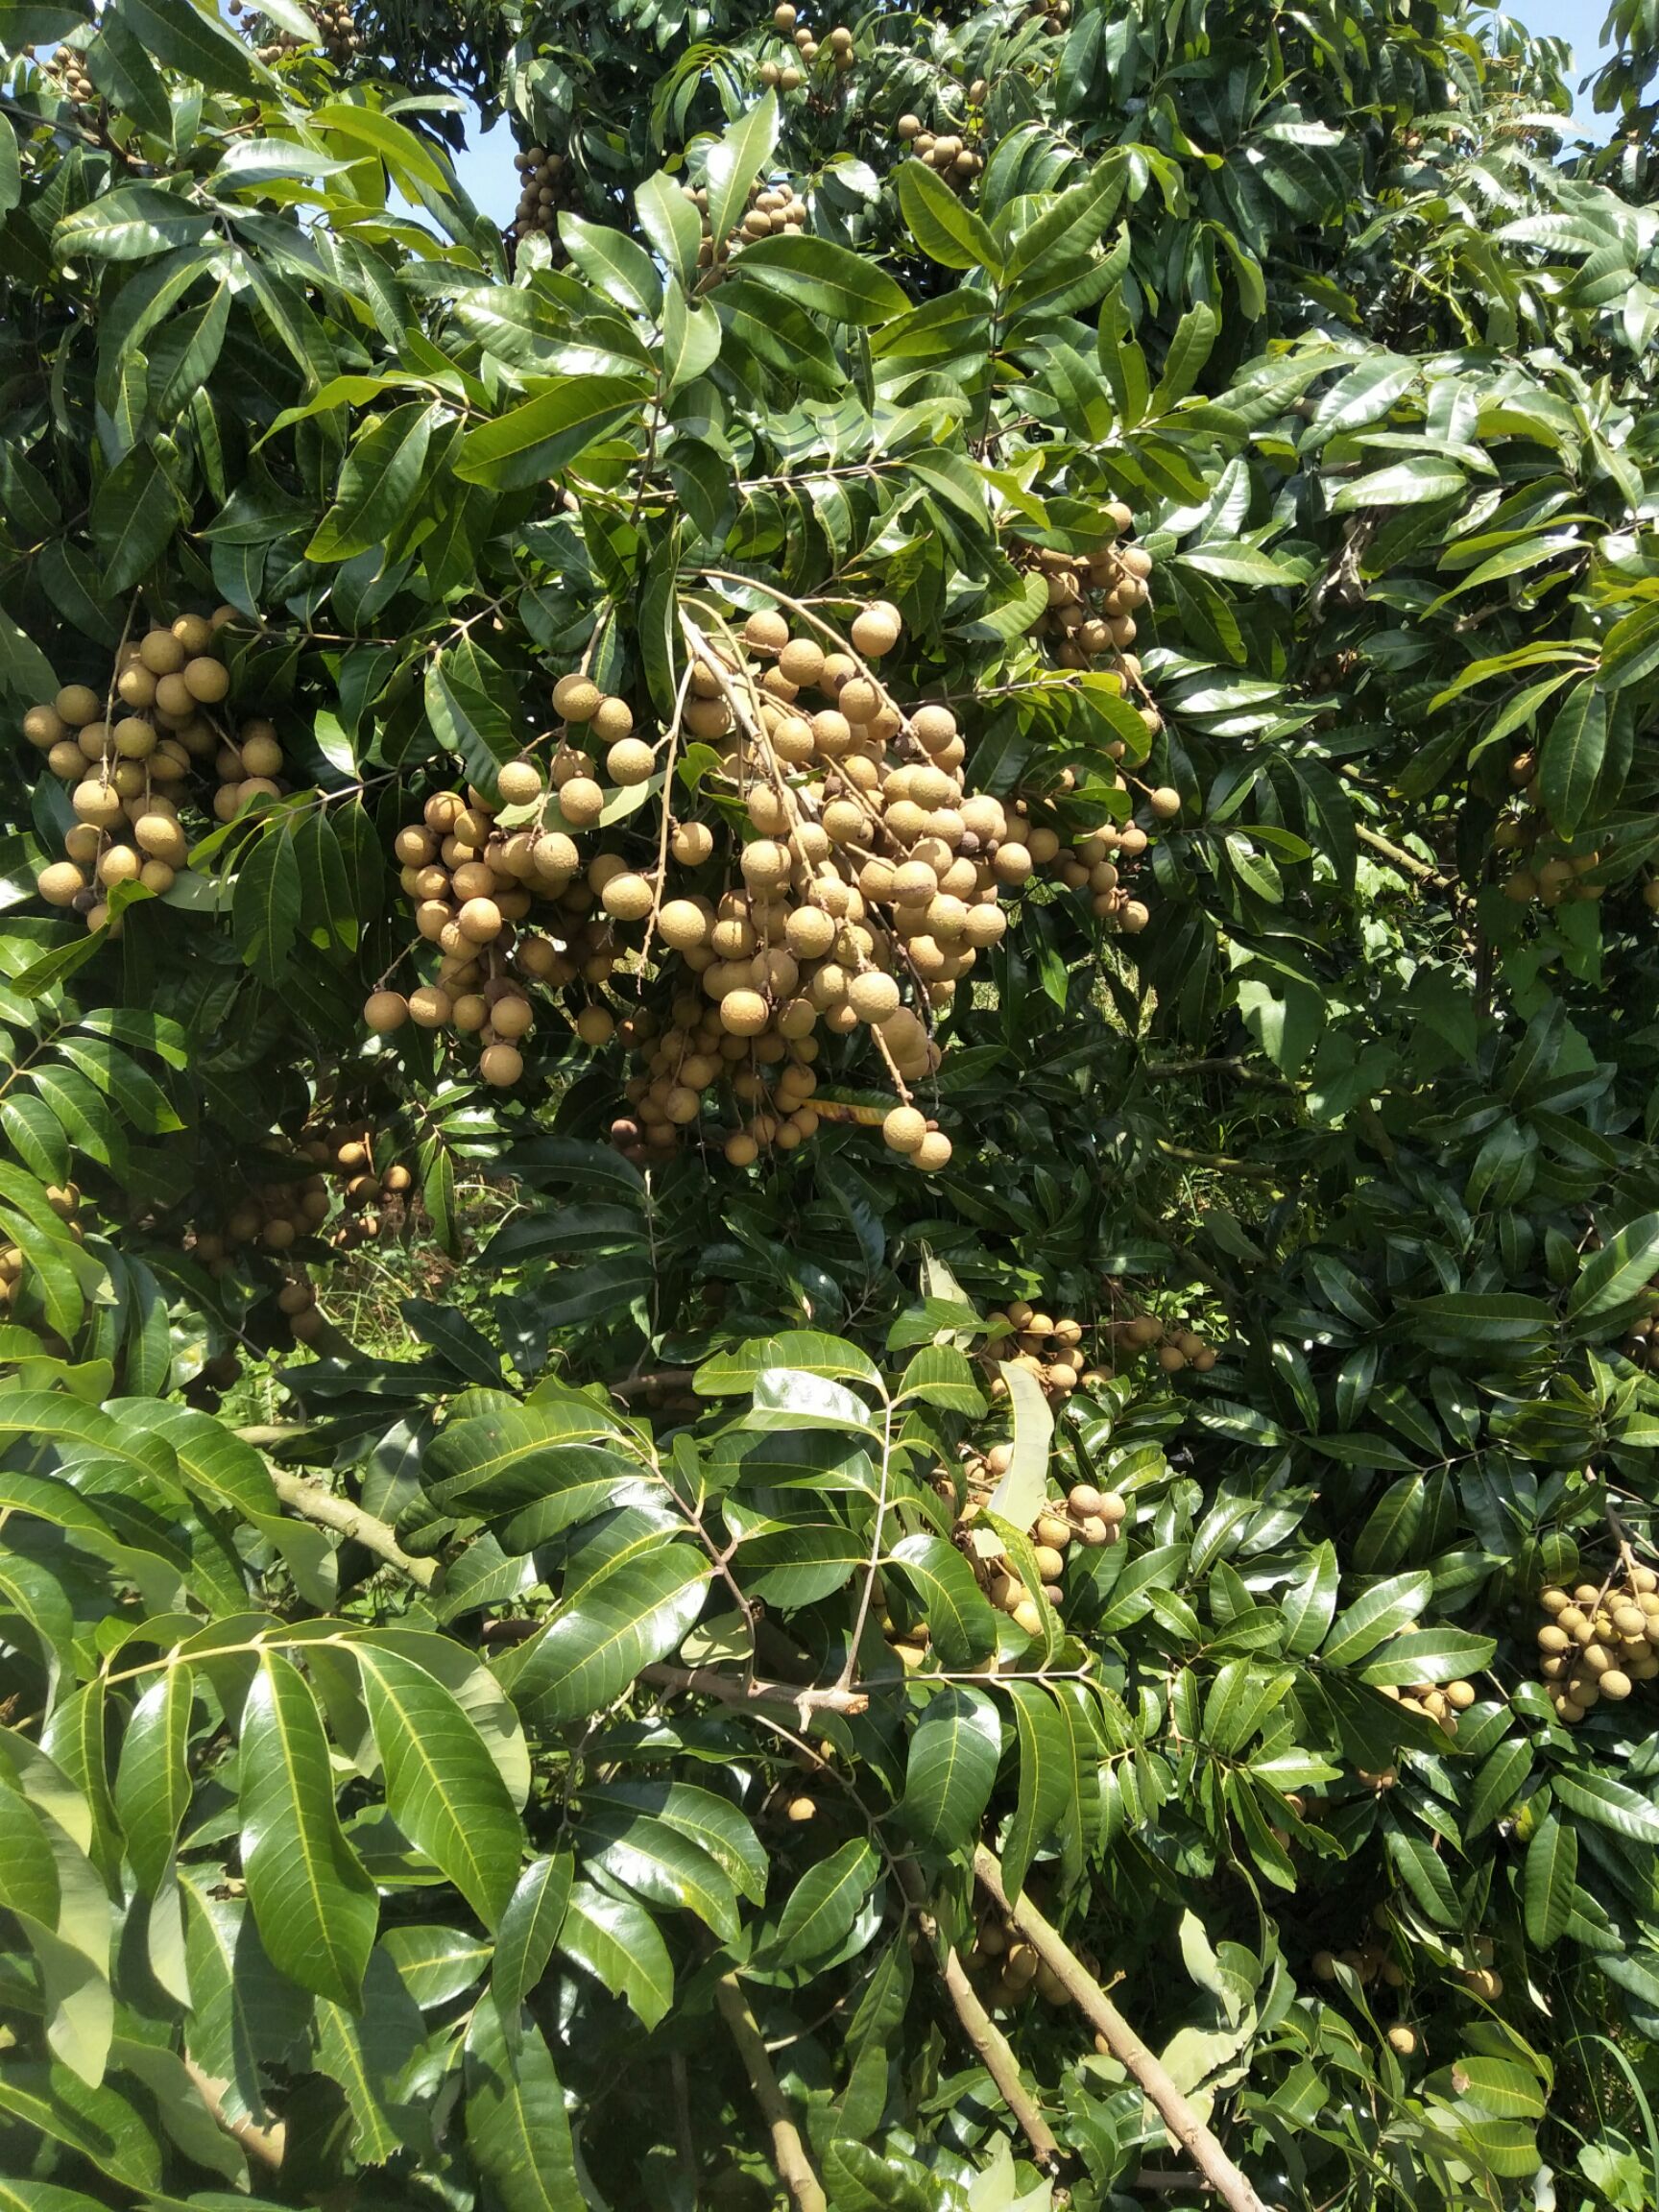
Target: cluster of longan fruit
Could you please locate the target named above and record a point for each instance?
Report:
(67, 70)
(336, 32)
(1007, 1968)
(954, 158)
(1549, 870)
(1054, 15)
(1641, 1345)
(787, 76)
(547, 184)
(1094, 598)
(1175, 1344)
(1599, 1641)
(772, 210)
(129, 754)
(865, 891)
(1085, 1515)
(1047, 1347)
(65, 1200)
(1440, 1702)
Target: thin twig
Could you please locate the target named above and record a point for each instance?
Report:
(788, 2150)
(1125, 2046)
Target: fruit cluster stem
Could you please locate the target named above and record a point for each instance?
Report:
(788, 2150)
(1125, 2046)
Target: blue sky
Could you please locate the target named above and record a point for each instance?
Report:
(486, 166)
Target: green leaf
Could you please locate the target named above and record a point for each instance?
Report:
(612, 264)
(442, 1784)
(379, 485)
(265, 901)
(314, 1907)
(130, 224)
(961, 1620)
(1073, 219)
(1424, 1872)
(1570, 760)
(671, 223)
(518, 2133)
(1498, 1783)
(828, 279)
(714, 1823)
(1384, 1609)
(1548, 1879)
(734, 162)
(153, 1785)
(593, 1650)
(1310, 1603)
(28, 1866)
(1611, 1283)
(535, 441)
(1414, 482)
(940, 1374)
(946, 230)
(789, 1398)
(410, 161)
(528, 1932)
(665, 1867)
(1435, 1654)
(1610, 1804)
(134, 514)
(823, 1905)
(1048, 1779)
(690, 341)
(616, 1941)
(951, 1768)
(1024, 1491)
(189, 39)
(1630, 650)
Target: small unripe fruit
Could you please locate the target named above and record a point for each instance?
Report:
(1402, 2039)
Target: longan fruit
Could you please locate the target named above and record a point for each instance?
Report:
(629, 761)
(76, 705)
(60, 884)
(1402, 2039)
(766, 631)
(595, 1026)
(691, 843)
(162, 653)
(905, 1130)
(576, 698)
(385, 1011)
(44, 727)
(501, 1065)
(194, 633)
(582, 801)
(296, 1297)
(741, 1150)
(627, 896)
(933, 1153)
(519, 782)
(429, 1008)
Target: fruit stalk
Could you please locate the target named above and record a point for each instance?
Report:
(1177, 2115)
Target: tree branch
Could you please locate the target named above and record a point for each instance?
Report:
(788, 2151)
(330, 1510)
(267, 2146)
(988, 2042)
(1420, 870)
(1125, 2046)
(733, 1690)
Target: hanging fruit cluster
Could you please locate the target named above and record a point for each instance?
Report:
(66, 68)
(1047, 1347)
(772, 210)
(1085, 1515)
(865, 885)
(1550, 870)
(129, 754)
(1440, 1702)
(336, 31)
(1600, 1641)
(547, 184)
(1007, 1968)
(1054, 14)
(1094, 598)
(1175, 1344)
(953, 154)
(836, 45)
(294, 1201)
(1641, 1344)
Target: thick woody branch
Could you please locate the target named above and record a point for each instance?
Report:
(1408, 862)
(989, 2044)
(788, 2150)
(1125, 2046)
(330, 1510)
(734, 1690)
(265, 2146)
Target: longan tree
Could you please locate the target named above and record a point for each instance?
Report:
(932, 821)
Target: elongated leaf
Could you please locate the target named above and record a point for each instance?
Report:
(1385, 1608)
(314, 1907)
(548, 433)
(1548, 1879)
(442, 1784)
(1609, 1803)
(940, 1374)
(378, 485)
(591, 1653)
(828, 279)
(517, 2130)
(1047, 1778)
(1613, 1280)
(1574, 750)
(824, 1904)
(946, 230)
(735, 163)
(671, 223)
(1024, 1491)
(665, 1867)
(951, 1768)
(528, 1932)
(961, 1621)
(616, 1941)
(152, 1780)
(265, 905)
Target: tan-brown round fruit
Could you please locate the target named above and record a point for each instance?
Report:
(932, 1153)
(162, 653)
(629, 761)
(904, 1129)
(500, 1065)
(60, 882)
(385, 1011)
(595, 1026)
(429, 1008)
(1402, 2039)
(576, 697)
(520, 782)
(207, 681)
(77, 705)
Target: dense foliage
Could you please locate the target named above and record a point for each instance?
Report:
(937, 816)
